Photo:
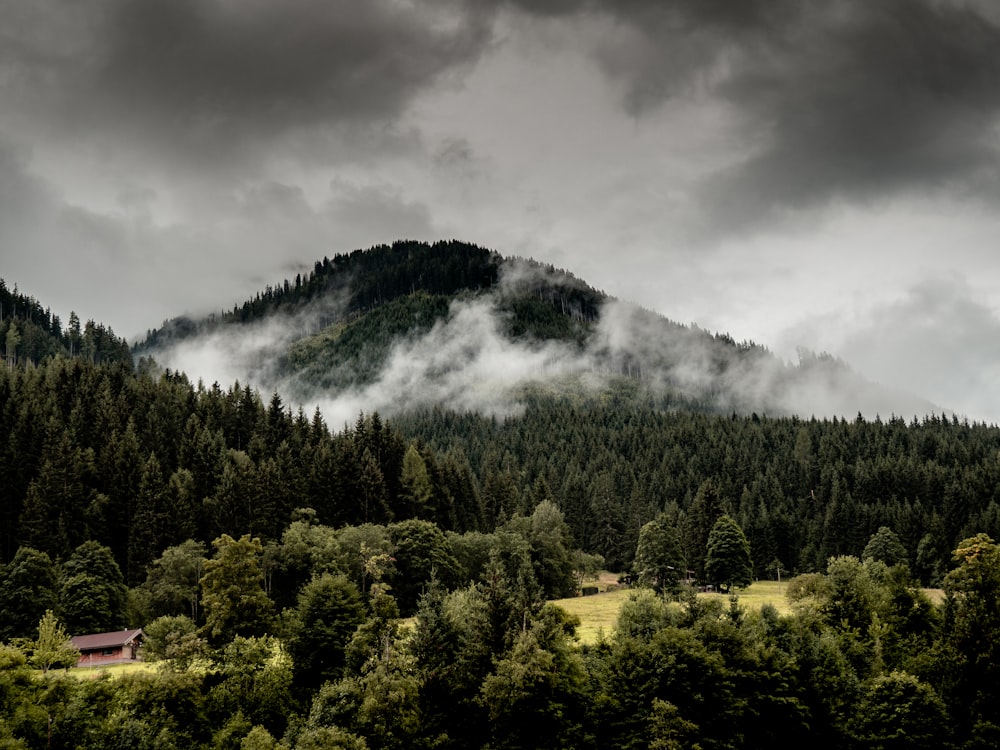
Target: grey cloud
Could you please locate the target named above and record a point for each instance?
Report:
(941, 341)
(364, 215)
(849, 101)
(896, 98)
(211, 77)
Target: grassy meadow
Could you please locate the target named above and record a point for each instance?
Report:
(599, 612)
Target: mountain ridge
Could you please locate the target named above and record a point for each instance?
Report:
(439, 323)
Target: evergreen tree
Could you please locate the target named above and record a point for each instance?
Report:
(659, 561)
(727, 559)
(705, 510)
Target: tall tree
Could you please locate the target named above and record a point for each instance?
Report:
(727, 558)
(233, 595)
(28, 587)
(705, 510)
(659, 561)
(329, 611)
(173, 581)
(92, 591)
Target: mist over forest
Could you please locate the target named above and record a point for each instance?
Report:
(477, 348)
(436, 433)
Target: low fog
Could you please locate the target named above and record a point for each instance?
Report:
(468, 362)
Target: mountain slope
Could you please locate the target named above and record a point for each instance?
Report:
(30, 332)
(457, 325)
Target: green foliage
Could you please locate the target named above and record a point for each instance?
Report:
(252, 676)
(642, 615)
(330, 610)
(92, 593)
(538, 693)
(173, 582)
(727, 559)
(422, 554)
(897, 710)
(52, 649)
(659, 561)
(28, 587)
(884, 546)
(971, 657)
(173, 638)
(233, 590)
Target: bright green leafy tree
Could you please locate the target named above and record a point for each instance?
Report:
(53, 649)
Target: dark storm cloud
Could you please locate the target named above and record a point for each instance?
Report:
(214, 75)
(834, 100)
(896, 97)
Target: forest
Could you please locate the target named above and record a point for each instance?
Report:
(383, 583)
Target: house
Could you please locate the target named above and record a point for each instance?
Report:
(108, 648)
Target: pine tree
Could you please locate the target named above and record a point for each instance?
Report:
(727, 558)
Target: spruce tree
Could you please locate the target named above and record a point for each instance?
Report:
(727, 558)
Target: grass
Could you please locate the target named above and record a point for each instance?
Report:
(113, 670)
(598, 613)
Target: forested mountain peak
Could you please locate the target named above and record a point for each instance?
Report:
(457, 325)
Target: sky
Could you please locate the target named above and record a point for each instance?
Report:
(799, 173)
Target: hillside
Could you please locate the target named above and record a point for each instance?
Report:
(455, 325)
(277, 555)
(31, 332)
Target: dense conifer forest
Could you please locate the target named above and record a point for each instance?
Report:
(270, 556)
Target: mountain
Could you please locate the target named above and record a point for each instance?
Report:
(613, 414)
(456, 325)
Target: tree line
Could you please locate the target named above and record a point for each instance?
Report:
(862, 660)
(140, 460)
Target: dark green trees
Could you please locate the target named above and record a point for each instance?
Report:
(28, 587)
(329, 611)
(727, 559)
(92, 591)
(885, 547)
(233, 594)
(972, 655)
(659, 561)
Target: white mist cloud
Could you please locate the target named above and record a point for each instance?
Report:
(467, 362)
(464, 363)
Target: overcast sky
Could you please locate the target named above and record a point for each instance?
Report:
(796, 172)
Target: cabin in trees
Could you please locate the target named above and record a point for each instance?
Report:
(108, 648)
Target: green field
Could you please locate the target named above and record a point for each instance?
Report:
(598, 613)
(113, 670)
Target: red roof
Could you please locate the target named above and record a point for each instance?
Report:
(105, 640)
